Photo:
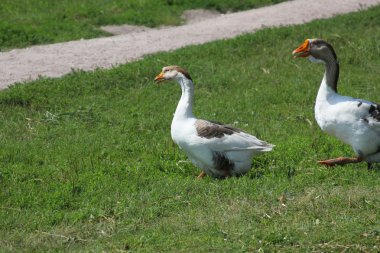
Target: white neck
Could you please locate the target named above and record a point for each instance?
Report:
(325, 91)
(185, 105)
(325, 98)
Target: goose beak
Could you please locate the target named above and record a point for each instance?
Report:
(159, 78)
(303, 50)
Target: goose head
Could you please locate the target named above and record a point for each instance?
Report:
(317, 50)
(172, 73)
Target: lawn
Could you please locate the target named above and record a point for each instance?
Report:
(25, 23)
(87, 163)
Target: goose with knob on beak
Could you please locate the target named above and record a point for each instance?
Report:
(354, 121)
(219, 150)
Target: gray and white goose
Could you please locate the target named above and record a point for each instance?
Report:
(218, 150)
(356, 122)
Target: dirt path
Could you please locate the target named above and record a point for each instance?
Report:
(59, 59)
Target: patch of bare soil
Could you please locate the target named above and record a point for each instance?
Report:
(195, 16)
(124, 29)
(188, 16)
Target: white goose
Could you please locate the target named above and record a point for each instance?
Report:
(354, 121)
(218, 150)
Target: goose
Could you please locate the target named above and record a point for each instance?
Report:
(219, 150)
(354, 121)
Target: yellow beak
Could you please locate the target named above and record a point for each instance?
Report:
(159, 77)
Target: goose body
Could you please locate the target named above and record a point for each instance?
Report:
(218, 150)
(350, 120)
(354, 121)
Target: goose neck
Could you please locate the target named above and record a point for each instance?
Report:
(185, 105)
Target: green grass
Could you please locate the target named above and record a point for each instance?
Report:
(87, 163)
(25, 23)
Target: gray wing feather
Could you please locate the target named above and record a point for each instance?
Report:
(216, 131)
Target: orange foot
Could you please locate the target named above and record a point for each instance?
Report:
(202, 175)
(327, 163)
(340, 161)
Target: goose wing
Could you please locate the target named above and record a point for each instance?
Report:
(371, 114)
(220, 137)
(352, 110)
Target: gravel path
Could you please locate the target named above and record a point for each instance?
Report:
(58, 59)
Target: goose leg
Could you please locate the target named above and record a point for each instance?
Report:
(370, 166)
(202, 175)
(341, 161)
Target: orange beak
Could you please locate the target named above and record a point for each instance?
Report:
(303, 50)
(159, 78)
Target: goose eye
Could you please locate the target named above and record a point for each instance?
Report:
(166, 70)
